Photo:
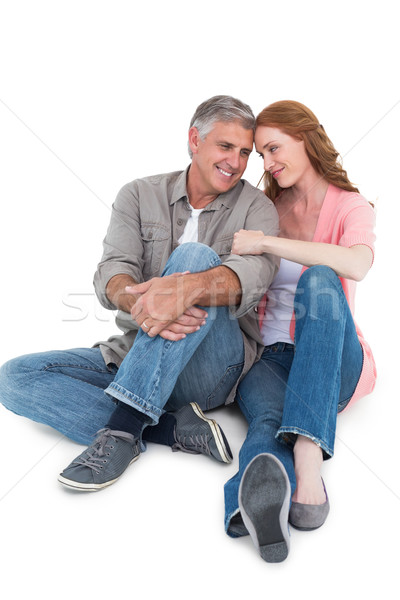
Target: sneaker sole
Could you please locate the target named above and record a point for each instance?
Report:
(264, 498)
(91, 487)
(216, 432)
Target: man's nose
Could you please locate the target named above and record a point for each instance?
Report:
(234, 160)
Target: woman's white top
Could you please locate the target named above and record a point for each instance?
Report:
(191, 231)
(279, 311)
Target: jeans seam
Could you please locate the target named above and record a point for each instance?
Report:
(69, 366)
(342, 405)
(120, 393)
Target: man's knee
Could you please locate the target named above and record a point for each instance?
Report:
(193, 257)
(12, 368)
(9, 369)
(8, 379)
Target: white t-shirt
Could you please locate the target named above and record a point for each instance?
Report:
(191, 231)
(279, 311)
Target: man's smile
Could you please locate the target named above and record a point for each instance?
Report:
(224, 172)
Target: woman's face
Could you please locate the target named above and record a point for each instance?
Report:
(284, 156)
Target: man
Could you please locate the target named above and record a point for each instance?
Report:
(186, 310)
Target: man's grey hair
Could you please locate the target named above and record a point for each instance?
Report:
(221, 108)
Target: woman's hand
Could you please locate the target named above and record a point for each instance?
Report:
(248, 242)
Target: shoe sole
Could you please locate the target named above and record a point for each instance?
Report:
(91, 487)
(216, 432)
(264, 499)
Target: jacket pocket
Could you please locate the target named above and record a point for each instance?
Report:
(223, 246)
(156, 239)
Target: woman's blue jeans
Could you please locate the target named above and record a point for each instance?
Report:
(65, 389)
(300, 388)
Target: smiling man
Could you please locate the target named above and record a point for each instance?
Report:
(218, 161)
(185, 307)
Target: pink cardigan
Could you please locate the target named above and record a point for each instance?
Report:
(347, 219)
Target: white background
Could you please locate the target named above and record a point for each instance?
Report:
(94, 94)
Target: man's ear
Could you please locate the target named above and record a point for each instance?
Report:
(194, 139)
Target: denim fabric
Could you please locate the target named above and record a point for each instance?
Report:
(65, 389)
(300, 388)
(203, 367)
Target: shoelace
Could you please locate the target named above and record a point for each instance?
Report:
(199, 443)
(94, 455)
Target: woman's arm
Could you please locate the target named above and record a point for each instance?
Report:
(350, 263)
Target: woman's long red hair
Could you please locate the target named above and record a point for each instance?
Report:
(295, 119)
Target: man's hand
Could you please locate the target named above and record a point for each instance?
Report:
(164, 307)
(192, 319)
(167, 304)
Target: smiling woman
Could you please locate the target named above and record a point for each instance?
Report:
(316, 361)
(292, 122)
(284, 156)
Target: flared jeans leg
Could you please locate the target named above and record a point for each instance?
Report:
(261, 397)
(328, 360)
(299, 391)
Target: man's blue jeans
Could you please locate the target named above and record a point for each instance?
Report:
(300, 388)
(65, 389)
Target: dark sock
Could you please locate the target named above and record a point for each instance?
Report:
(163, 432)
(126, 418)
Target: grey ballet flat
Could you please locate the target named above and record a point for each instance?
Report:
(307, 517)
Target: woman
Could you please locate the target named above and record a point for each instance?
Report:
(316, 361)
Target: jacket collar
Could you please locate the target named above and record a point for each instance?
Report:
(228, 199)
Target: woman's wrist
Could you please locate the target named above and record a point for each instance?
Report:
(269, 244)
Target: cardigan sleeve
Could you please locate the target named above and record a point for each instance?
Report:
(358, 225)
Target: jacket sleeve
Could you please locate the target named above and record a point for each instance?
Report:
(122, 246)
(255, 272)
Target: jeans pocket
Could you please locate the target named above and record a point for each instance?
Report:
(224, 386)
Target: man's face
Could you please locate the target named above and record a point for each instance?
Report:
(220, 160)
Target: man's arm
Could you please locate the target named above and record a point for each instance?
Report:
(117, 294)
(219, 286)
(163, 300)
(191, 320)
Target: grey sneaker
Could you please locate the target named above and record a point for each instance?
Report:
(103, 462)
(196, 434)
